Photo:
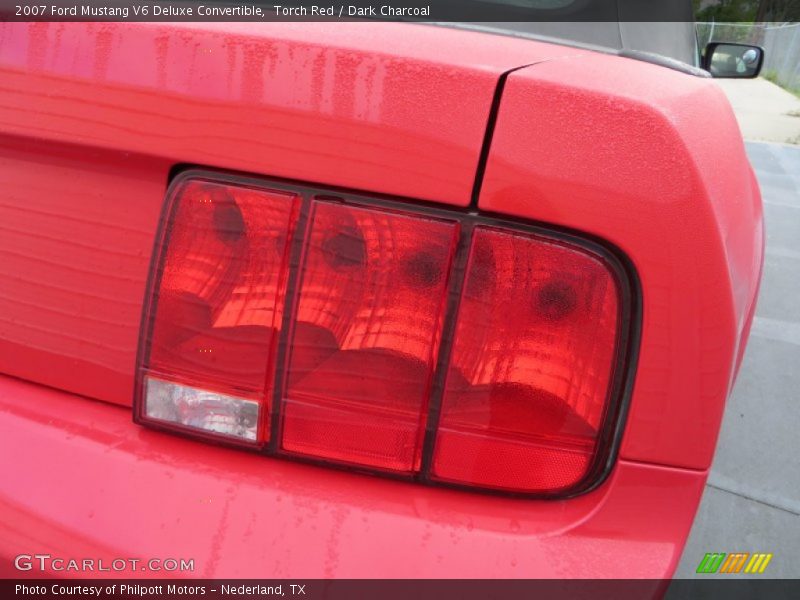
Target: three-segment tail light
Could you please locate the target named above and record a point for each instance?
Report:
(440, 346)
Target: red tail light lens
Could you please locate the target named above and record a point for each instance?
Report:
(377, 281)
(446, 347)
(216, 310)
(528, 382)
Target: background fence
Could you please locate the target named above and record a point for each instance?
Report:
(781, 44)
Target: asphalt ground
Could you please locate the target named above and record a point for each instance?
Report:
(752, 499)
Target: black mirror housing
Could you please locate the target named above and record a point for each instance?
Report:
(733, 61)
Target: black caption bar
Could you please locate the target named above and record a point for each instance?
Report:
(377, 589)
(322, 10)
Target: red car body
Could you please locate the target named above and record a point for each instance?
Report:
(94, 118)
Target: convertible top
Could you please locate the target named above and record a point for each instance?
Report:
(676, 40)
(622, 26)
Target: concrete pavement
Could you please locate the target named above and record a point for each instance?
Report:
(752, 498)
(765, 111)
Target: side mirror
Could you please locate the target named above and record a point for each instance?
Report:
(743, 61)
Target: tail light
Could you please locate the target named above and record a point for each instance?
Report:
(217, 303)
(377, 280)
(531, 363)
(439, 346)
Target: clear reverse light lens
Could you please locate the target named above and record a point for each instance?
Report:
(201, 409)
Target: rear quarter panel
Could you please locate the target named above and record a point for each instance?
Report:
(652, 161)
